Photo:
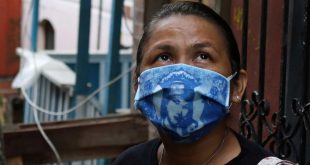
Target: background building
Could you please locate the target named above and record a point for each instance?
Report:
(59, 23)
(274, 42)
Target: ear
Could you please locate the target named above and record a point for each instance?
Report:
(238, 86)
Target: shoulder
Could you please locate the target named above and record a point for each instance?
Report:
(144, 153)
(251, 153)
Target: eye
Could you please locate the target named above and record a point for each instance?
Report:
(203, 56)
(163, 57)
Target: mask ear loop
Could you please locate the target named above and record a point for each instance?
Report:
(230, 78)
(228, 108)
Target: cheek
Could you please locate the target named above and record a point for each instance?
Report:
(140, 68)
(147, 63)
(226, 67)
(144, 62)
(223, 67)
(143, 66)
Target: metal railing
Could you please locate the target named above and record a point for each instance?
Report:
(286, 131)
(57, 99)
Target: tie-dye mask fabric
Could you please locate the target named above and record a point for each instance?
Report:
(183, 101)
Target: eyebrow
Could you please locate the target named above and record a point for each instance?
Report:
(195, 45)
(204, 44)
(169, 47)
(201, 45)
(163, 47)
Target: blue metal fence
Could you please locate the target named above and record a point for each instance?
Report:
(57, 99)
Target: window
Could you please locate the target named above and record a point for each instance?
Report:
(46, 36)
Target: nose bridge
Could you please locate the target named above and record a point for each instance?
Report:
(182, 59)
(184, 56)
(184, 50)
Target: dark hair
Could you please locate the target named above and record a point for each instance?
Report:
(197, 9)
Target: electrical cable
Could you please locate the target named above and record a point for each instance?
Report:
(35, 107)
(127, 26)
(28, 100)
(37, 121)
(46, 138)
(25, 35)
(25, 29)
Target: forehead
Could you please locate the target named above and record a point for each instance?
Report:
(190, 26)
(182, 19)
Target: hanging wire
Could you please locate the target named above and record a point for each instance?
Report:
(114, 80)
(35, 107)
(25, 27)
(46, 138)
(127, 25)
(25, 35)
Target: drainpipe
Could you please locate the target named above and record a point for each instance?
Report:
(82, 64)
(35, 24)
(113, 92)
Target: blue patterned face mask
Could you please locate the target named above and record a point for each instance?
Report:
(183, 101)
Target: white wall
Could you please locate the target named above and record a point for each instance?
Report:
(64, 17)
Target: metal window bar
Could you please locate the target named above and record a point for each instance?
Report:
(285, 138)
(50, 96)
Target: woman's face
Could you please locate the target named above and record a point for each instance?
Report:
(187, 39)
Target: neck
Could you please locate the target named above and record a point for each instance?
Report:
(199, 152)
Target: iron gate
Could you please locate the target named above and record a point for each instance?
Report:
(285, 132)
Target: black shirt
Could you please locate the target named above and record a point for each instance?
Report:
(146, 153)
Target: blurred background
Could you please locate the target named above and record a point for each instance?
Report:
(66, 77)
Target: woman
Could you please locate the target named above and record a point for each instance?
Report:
(188, 75)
